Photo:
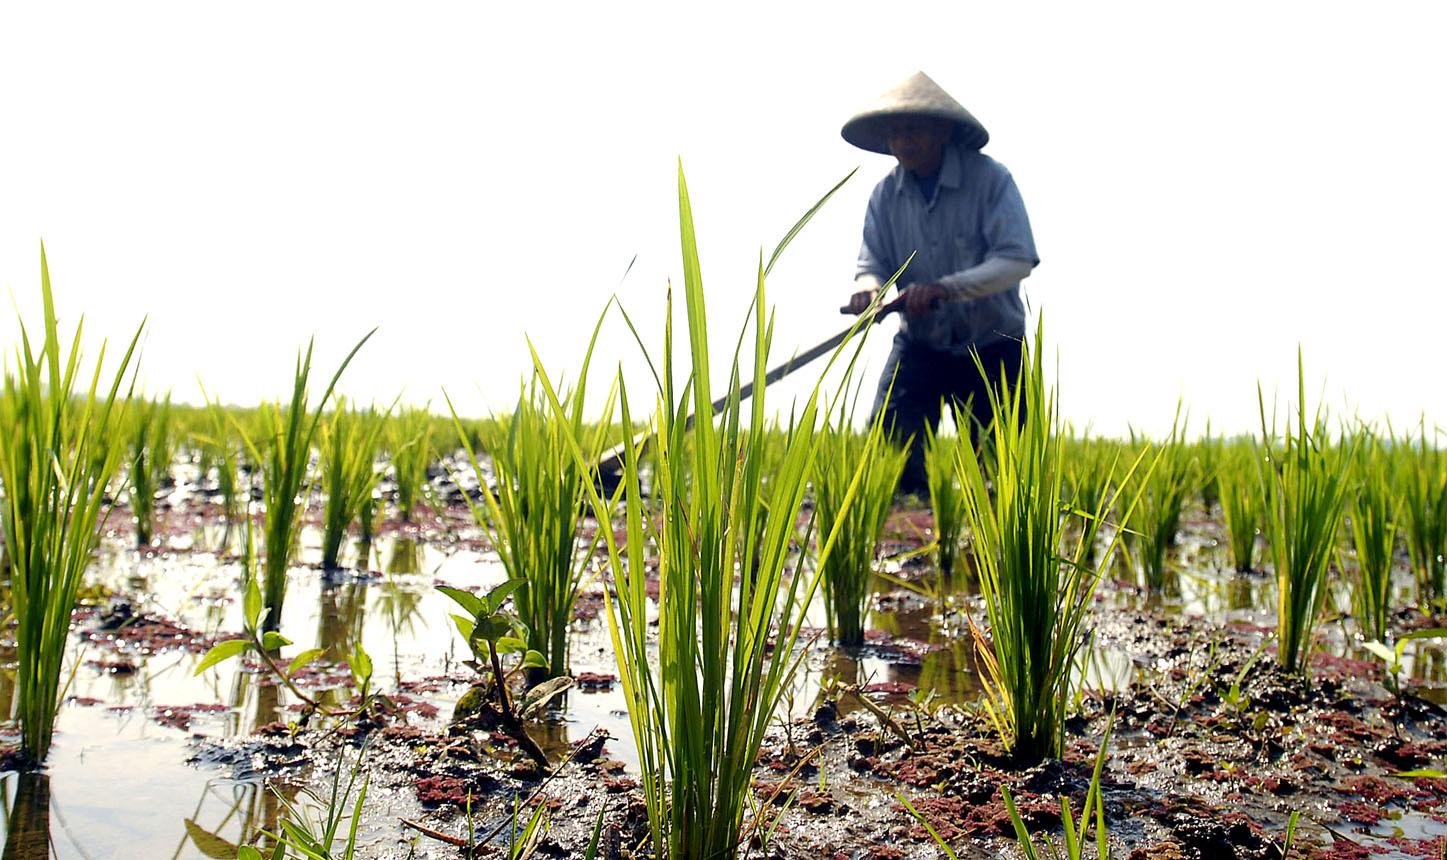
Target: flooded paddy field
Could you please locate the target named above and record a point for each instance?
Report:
(1211, 748)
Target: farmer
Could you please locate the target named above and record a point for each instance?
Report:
(958, 212)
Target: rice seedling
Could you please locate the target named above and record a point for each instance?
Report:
(1306, 483)
(1374, 538)
(1089, 473)
(223, 449)
(1209, 454)
(284, 453)
(947, 502)
(409, 444)
(1424, 518)
(535, 516)
(152, 448)
(1075, 843)
(1242, 502)
(1035, 599)
(312, 832)
(854, 481)
(1157, 517)
(58, 452)
(725, 651)
(349, 443)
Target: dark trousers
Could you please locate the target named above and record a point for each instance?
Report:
(925, 381)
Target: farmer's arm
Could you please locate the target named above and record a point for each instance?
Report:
(1009, 243)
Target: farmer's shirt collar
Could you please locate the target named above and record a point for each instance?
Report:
(950, 175)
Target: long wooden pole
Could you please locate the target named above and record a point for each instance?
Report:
(611, 461)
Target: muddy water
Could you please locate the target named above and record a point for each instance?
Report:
(120, 781)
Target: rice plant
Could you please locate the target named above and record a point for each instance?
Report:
(151, 448)
(725, 651)
(1035, 599)
(535, 516)
(349, 443)
(1075, 843)
(1424, 518)
(59, 449)
(1089, 476)
(1306, 484)
(312, 831)
(409, 443)
(1242, 502)
(1374, 538)
(1209, 455)
(284, 452)
(1163, 490)
(223, 448)
(947, 501)
(855, 477)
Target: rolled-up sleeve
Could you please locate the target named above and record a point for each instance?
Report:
(1006, 227)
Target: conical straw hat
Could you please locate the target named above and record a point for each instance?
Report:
(917, 96)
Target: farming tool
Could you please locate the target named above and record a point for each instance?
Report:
(609, 465)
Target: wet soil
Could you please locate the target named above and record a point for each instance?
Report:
(1211, 750)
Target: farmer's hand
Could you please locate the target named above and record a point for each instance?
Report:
(860, 302)
(920, 299)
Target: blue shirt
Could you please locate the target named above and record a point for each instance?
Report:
(976, 212)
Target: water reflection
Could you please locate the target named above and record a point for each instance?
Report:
(406, 556)
(27, 827)
(249, 813)
(402, 605)
(340, 617)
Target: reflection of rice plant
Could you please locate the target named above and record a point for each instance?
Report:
(349, 442)
(409, 444)
(535, 516)
(283, 454)
(1242, 502)
(58, 450)
(1374, 537)
(152, 446)
(1036, 601)
(1306, 483)
(1424, 518)
(854, 481)
(703, 692)
(947, 501)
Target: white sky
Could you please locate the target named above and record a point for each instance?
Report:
(1210, 185)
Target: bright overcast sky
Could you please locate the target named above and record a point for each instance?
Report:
(1210, 185)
